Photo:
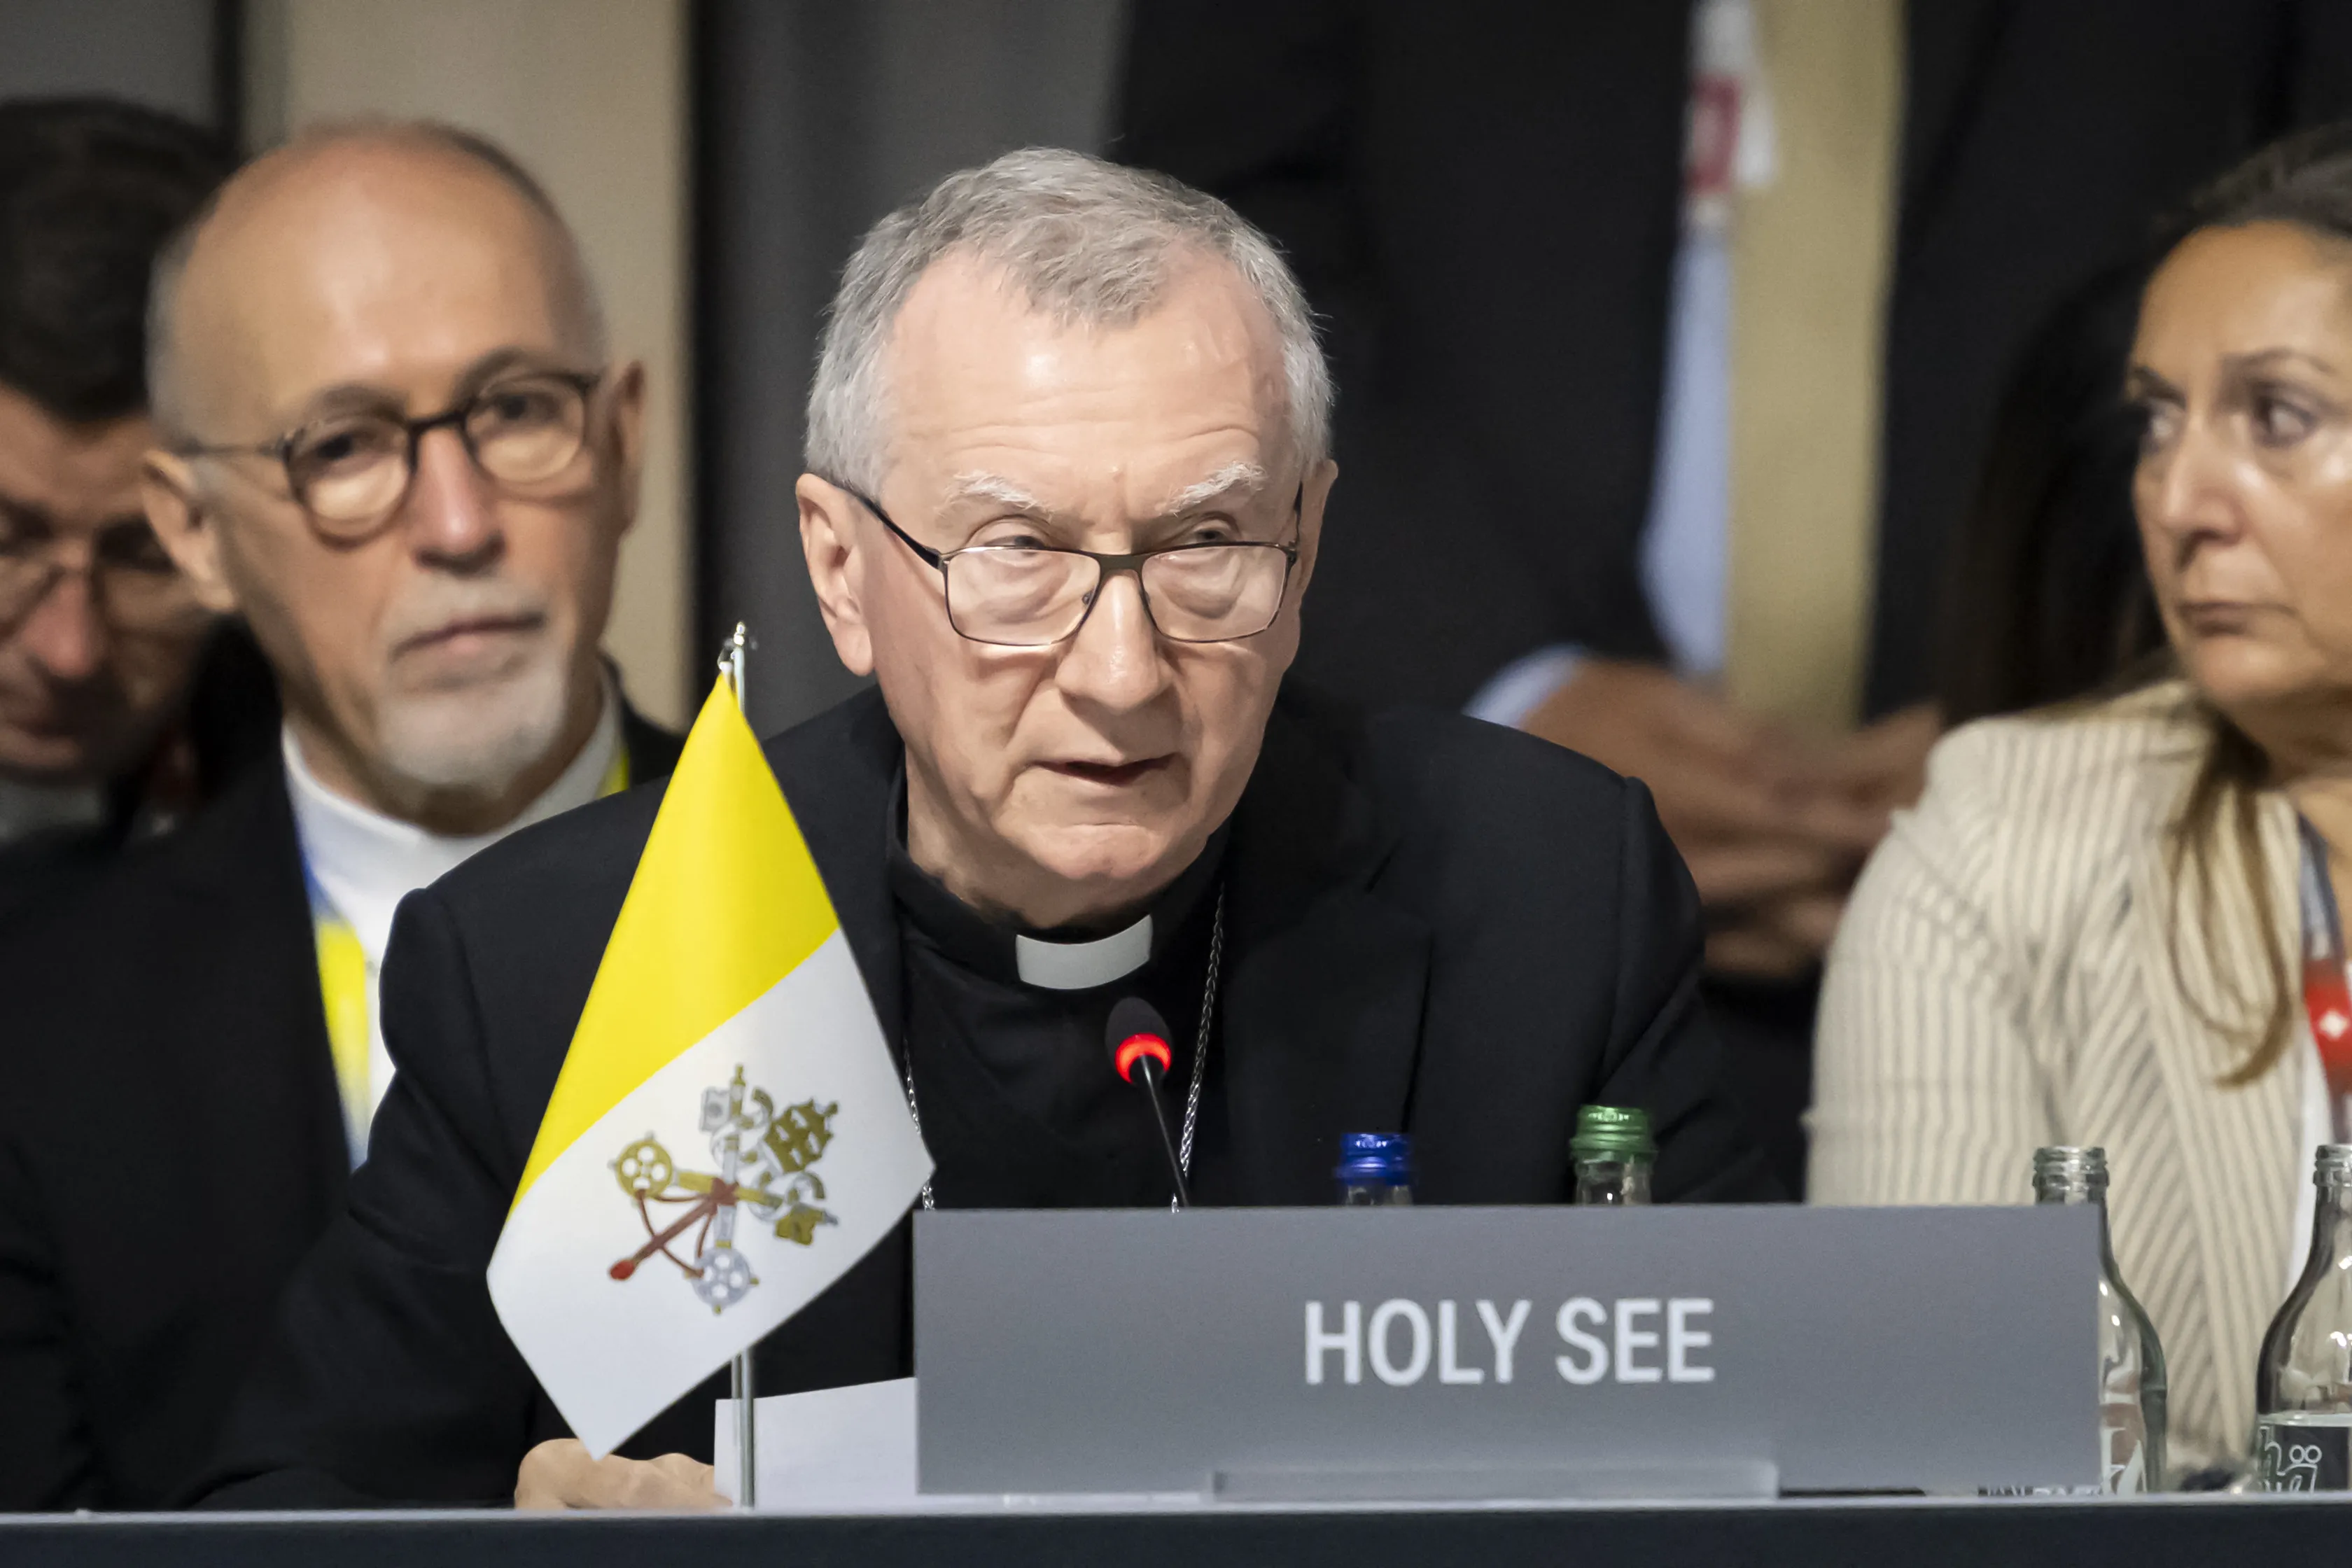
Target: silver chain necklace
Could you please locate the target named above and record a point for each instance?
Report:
(1199, 1057)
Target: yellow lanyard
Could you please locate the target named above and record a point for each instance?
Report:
(343, 987)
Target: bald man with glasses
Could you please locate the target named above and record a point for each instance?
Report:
(389, 441)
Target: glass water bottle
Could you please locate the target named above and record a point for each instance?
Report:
(1613, 1153)
(2302, 1385)
(2131, 1361)
(1375, 1169)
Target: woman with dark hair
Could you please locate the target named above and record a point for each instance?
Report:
(2087, 931)
(2047, 600)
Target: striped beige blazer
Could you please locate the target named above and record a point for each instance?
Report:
(2005, 978)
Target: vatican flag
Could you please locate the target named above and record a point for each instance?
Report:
(728, 1135)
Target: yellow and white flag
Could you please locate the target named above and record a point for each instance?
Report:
(728, 1135)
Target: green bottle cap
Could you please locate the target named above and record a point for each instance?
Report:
(1613, 1132)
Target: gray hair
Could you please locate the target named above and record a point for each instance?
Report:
(576, 289)
(1088, 241)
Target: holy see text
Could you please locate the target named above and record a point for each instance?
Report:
(1631, 1339)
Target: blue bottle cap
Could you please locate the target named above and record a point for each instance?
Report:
(1366, 1158)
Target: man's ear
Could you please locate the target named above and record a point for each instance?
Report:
(1319, 480)
(626, 392)
(829, 541)
(188, 532)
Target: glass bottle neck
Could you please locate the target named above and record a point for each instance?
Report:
(2331, 1219)
(2072, 1194)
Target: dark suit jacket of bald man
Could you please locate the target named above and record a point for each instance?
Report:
(1432, 924)
(171, 1143)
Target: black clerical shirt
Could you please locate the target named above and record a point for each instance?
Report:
(1020, 1105)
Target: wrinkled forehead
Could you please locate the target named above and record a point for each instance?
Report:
(976, 372)
(390, 273)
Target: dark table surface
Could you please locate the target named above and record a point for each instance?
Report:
(1875, 1531)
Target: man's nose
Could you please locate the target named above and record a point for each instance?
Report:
(1114, 660)
(452, 507)
(65, 634)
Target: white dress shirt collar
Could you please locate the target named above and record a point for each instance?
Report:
(364, 862)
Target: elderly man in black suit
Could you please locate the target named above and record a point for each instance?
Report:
(393, 443)
(1068, 460)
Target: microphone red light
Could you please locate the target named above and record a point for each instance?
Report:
(1136, 1033)
(1135, 1048)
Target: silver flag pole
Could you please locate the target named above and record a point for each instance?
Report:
(730, 660)
(740, 1387)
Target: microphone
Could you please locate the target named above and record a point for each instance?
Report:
(1138, 1050)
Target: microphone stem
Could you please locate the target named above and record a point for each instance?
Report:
(1150, 1070)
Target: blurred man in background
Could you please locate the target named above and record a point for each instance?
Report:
(389, 439)
(1668, 338)
(99, 636)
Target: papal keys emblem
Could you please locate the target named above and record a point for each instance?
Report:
(763, 1157)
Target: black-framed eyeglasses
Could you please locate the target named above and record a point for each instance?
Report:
(351, 471)
(1034, 596)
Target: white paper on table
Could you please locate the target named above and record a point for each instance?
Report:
(852, 1446)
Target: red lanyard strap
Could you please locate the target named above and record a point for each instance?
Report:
(2326, 993)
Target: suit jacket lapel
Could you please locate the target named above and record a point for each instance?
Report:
(2240, 1141)
(241, 870)
(1321, 1021)
(237, 868)
(837, 773)
(652, 751)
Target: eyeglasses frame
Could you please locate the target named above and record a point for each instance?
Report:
(95, 572)
(1106, 565)
(586, 383)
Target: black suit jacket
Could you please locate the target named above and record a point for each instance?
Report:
(1432, 924)
(171, 1144)
(1482, 197)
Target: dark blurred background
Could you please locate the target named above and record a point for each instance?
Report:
(720, 156)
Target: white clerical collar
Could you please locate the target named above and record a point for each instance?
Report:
(364, 862)
(1075, 965)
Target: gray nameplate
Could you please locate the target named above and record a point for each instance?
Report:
(1943, 1349)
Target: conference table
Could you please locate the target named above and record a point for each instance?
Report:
(1144, 1533)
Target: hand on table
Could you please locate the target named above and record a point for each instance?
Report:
(560, 1474)
(1773, 828)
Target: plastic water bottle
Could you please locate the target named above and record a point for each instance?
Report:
(1375, 1169)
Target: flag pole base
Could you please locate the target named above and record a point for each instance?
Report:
(747, 1463)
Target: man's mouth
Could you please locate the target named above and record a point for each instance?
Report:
(1112, 775)
(469, 633)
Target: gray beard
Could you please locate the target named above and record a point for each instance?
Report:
(477, 739)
